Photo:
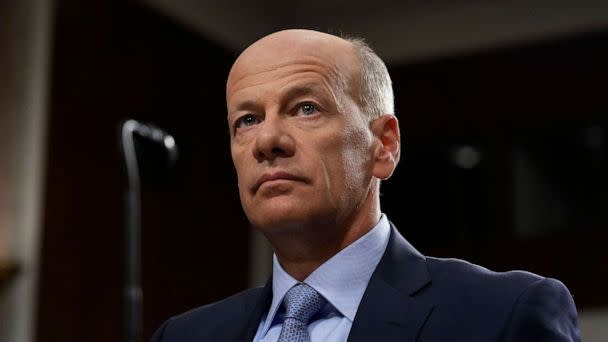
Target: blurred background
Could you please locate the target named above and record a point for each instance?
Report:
(503, 109)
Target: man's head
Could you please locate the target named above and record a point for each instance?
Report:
(311, 130)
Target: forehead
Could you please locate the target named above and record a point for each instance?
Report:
(294, 57)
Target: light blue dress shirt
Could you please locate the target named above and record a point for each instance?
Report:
(342, 280)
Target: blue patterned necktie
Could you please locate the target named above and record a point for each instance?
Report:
(301, 303)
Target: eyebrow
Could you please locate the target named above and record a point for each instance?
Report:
(246, 105)
(300, 90)
(291, 93)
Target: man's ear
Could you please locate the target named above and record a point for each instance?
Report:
(387, 147)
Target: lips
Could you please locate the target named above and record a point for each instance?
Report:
(271, 176)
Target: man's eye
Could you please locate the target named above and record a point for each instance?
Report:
(307, 109)
(246, 121)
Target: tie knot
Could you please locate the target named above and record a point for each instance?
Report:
(302, 302)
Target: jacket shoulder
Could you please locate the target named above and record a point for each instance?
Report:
(463, 274)
(204, 322)
(513, 306)
(225, 306)
(457, 281)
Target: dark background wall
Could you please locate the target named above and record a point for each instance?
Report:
(113, 60)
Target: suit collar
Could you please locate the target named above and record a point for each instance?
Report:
(254, 310)
(402, 266)
(390, 309)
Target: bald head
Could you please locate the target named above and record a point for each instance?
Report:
(352, 66)
(288, 46)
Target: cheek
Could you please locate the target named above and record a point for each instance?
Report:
(356, 157)
(241, 170)
(346, 163)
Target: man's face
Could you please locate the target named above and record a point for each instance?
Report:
(300, 145)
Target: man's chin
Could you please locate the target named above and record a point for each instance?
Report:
(279, 222)
(288, 211)
(285, 219)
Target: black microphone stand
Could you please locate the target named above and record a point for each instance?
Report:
(133, 292)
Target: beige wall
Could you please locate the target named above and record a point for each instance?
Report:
(594, 325)
(24, 57)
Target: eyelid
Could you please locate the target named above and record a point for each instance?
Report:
(239, 119)
(234, 118)
(301, 103)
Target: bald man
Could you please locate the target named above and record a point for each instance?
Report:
(312, 134)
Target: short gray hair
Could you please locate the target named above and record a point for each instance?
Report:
(376, 94)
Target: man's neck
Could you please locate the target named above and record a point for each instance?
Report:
(302, 251)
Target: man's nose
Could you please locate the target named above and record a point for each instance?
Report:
(273, 140)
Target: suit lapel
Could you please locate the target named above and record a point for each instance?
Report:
(390, 309)
(254, 311)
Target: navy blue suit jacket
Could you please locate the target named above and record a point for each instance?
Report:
(411, 297)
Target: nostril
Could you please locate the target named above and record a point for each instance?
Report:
(271, 146)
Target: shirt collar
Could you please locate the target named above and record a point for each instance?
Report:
(342, 279)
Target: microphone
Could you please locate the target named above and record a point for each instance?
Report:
(151, 133)
(133, 297)
(154, 134)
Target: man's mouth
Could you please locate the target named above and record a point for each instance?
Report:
(274, 176)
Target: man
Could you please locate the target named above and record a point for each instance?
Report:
(313, 133)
